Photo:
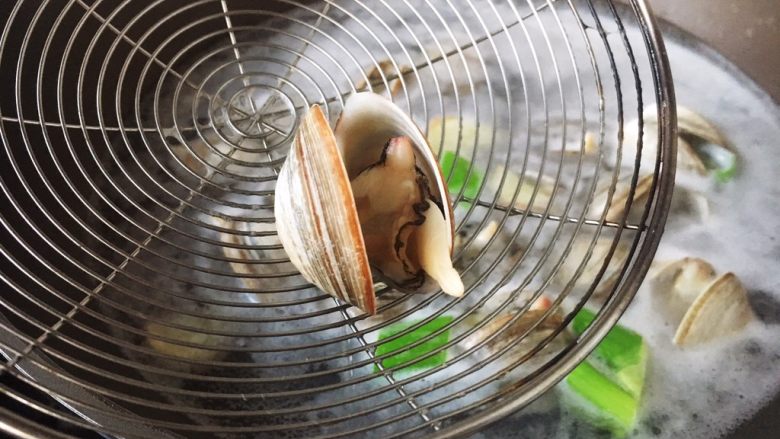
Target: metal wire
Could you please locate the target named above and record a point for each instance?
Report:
(145, 292)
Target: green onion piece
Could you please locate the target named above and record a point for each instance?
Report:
(720, 160)
(406, 355)
(606, 404)
(457, 169)
(623, 351)
(725, 175)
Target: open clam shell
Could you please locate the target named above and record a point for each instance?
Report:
(378, 74)
(701, 148)
(481, 239)
(367, 196)
(523, 324)
(527, 332)
(457, 134)
(317, 219)
(616, 209)
(588, 146)
(721, 309)
(181, 343)
(706, 306)
(693, 124)
(594, 262)
(679, 283)
(534, 192)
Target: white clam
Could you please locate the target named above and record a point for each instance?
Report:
(587, 147)
(693, 124)
(458, 135)
(678, 284)
(707, 306)
(594, 260)
(378, 74)
(721, 309)
(367, 196)
(542, 322)
(701, 148)
(687, 205)
(481, 239)
(534, 191)
(527, 332)
(615, 206)
(211, 346)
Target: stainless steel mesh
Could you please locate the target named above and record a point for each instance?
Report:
(144, 291)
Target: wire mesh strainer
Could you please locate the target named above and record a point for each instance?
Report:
(145, 293)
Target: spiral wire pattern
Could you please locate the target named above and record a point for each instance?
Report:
(144, 291)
